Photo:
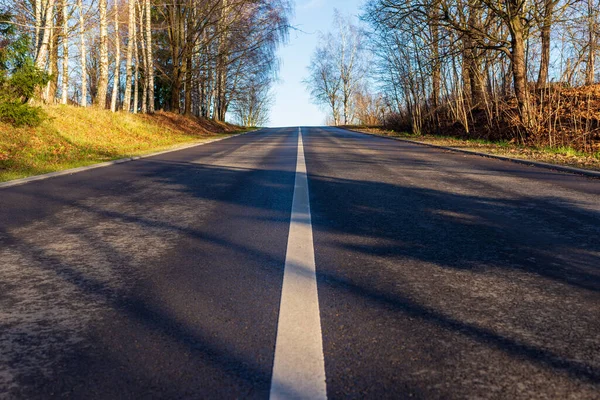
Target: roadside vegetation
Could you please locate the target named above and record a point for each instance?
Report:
(213, 59)
(73, 136)
(19, 77)
(566, 156)
(86, 81)
(515, 71)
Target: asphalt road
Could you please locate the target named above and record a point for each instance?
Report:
(439, 275)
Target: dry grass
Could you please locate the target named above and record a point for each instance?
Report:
(75, 136)
(558, 116)
(556, 155)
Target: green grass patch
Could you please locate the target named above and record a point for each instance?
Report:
(565, 151)
(73, 137)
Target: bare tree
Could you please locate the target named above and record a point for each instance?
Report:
(337, 69)
(349, 54)
(324, 82)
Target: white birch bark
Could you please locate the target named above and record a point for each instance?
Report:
(49, 49)
(116, 80)
(136, 72)
(150, 60)
(38, 23)
(42, 54)
(83, 102)
(142, 54)
(128, 63)
(100, 100)
(65, 60)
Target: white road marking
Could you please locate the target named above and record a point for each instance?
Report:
(299, 367)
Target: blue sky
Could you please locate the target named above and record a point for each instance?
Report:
(292, 105)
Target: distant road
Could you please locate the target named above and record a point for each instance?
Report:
(387, 270)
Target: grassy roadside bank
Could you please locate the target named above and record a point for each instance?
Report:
(74, 137)
(560, 156)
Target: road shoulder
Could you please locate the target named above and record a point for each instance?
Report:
(71, 171)
(556, 167)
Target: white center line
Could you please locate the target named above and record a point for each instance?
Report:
(299, 367)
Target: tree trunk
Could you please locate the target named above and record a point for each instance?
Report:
(519, 68)
(150, 66)
(102, 91)
(83, 102)
(220, 115)
(188, 85)
(142, 55)
(476, 79)
(436, 68)
(38, 24)
(42, 54)
(65, 58)
(590, 65)
(136, 75)
(176, 44)
(176, 89)
(592, 45)
(116, 79)
(466, 77)
(545, 39)
(128, 63)
(53, 53)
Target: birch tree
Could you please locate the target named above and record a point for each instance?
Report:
(42, 52)
(82, 55)
(115, 91)
(149, 57)
(102, 91)
(209, 62)
(337, 69)
(129, 61)
(65, 58)
(324, 82)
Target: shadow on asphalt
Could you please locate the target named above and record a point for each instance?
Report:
(449, 230)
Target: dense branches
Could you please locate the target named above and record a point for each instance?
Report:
(479, 63)
(191, 56)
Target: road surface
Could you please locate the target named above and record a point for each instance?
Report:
(387, 270)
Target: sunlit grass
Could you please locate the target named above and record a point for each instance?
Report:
(74, 137)
(562, 155)
(565, 151)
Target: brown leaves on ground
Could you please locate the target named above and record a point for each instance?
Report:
(558, 156)
(189, 124)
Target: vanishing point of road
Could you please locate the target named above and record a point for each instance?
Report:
(302, 263)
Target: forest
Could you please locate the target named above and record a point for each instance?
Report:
(207, 58)
(525, 71)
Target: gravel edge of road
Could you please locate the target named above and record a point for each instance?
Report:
(555, 167)
(23, 181)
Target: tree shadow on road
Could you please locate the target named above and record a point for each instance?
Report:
(144, 309)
